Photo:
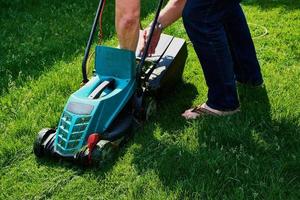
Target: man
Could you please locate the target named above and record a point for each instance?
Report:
(222, 41)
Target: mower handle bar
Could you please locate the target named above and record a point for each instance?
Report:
(89, 43)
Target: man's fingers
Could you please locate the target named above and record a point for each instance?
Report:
(145, 38)
(145, 34)
(154, 44)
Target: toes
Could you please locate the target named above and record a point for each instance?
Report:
(189, 114)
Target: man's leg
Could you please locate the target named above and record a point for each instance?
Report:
(127, 23)
(203, 23)
(246, 66)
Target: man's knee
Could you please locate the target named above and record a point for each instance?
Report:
(128, 22)
(127, 13)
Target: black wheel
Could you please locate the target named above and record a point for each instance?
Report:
(81, 157)
(150, 107)
(145, 107)
(104, 151)
(38, 147)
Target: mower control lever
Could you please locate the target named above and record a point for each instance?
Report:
(105, 84)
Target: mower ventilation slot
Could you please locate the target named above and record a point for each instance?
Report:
(71, 135)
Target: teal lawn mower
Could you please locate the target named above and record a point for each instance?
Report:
(122, 93)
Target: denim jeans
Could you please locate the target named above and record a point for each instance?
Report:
(221, 38)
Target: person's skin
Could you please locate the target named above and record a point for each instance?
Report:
(127, 23)
(169, 14)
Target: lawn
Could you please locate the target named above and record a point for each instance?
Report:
(254, 154)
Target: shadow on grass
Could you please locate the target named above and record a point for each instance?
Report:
(247, 154)
(36, 34)
(265, 4)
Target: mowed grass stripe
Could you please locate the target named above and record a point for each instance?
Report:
(41, 106)
(29, 180)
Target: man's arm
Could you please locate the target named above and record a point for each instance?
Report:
(169, 14)
(127, 23)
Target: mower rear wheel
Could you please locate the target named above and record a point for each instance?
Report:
(38, 147)
(150, 106)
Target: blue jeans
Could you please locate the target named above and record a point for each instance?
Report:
(219, 32)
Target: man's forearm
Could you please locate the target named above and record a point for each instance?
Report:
(171, 12)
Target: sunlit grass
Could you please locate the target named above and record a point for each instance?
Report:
(252, 155)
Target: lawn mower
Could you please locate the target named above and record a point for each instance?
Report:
(121, 93)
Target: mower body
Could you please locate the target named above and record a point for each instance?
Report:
(98, 117)
(108, 104)
(94, 107)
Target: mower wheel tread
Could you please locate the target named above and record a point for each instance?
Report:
(38, 148)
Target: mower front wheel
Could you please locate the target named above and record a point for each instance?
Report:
(103, 151)
(38, 147)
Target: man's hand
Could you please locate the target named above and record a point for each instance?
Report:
(171, 12)
(144, 37)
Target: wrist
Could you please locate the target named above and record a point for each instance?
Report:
(159, 26)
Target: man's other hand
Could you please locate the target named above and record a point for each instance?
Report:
(145, 36)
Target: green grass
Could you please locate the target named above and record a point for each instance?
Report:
(251, 155)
